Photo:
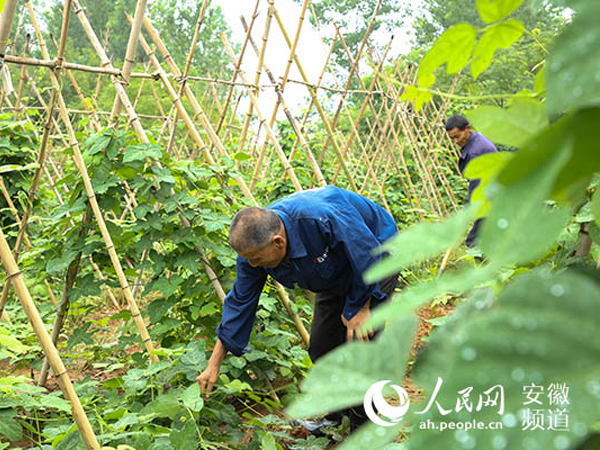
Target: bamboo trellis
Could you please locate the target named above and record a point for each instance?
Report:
(387, 140)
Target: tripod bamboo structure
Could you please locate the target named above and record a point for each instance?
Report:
(385, 149)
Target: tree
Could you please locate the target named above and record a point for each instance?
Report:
(353, 17)
(175, 20)
(512, 69)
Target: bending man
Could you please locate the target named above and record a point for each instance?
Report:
(320, 239)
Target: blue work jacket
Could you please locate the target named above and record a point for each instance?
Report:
(331, 233)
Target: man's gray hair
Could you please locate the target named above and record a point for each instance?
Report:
(253, 228)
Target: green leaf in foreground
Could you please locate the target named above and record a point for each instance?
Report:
(572, 69)
(420, 242)
(341, 378)
(537, 332)
(572, 133)
(513, 126)
(409, 299)
(192, 398)
(454, 47)
(495, 10)
(501, 35)
(518, 229)
(268, 442)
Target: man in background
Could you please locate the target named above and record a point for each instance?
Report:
(472, 145)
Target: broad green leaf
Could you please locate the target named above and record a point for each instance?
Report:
(17, 168)
(419, 242)
(501, 35)
(513, 126)
(241, 156)
(496, 10)
(485, 168)
(186, 438)
(537, 332)
(518, 229)
(236, 386)
(11, 343)
(125, 421)
(141, 152)
(268, 442)
(192, 399)
(193, 361)
(165, 405)
(9, 427)
(572, 79)
(342, 377)
(454, 47)
(51, 401)
(70, 442)
(417, 95)
(168, 286)
(596, 206)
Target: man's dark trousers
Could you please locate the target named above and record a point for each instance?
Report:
(328, 332)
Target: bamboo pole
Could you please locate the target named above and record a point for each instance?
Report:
(183, 79)
(79, 92)
(237, 68)
(366, 101)
(214, 138)
(376, 115)
(286, 165)
(353, 68)
(279, 90)
(8, 14)
(216, 141)
(261, 56)
(28, 243)
(60, 372)
(318, 86)
(280, 101)
(431, 141)
(94, 265)
(31, 195)
(78, 159)
(136, 29)
(288, 66)
(134, 120)
(99, 82)
(21, 81)
(322, 114)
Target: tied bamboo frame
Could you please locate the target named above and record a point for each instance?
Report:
(383, 136)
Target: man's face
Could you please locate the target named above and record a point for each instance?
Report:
(460, 137)
(269, 256)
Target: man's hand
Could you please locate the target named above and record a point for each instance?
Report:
(354, 325)
(209, 376)
(207, 379)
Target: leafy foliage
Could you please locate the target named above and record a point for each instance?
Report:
(540, 315)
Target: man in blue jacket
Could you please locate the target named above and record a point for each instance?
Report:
(321, 240)
(473, 144)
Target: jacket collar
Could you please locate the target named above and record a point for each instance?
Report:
(295, 246)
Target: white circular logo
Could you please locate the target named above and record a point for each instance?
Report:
(374, 397)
